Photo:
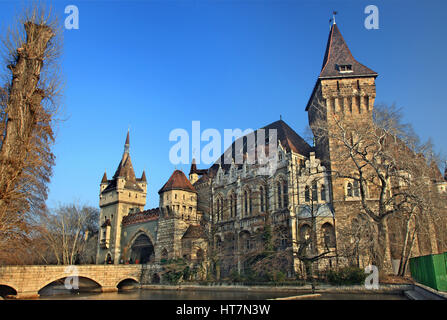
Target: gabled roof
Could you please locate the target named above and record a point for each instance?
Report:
(337, 53)
(178, 181)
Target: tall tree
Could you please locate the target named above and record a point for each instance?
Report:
(386, 165)
(28, 105)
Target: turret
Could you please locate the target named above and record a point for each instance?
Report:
(118, 196)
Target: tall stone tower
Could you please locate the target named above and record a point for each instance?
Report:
(178, 207)
(123, 194)
(345, 88)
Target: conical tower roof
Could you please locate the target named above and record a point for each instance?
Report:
(178, 181)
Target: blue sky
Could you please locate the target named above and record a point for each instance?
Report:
(159, 65)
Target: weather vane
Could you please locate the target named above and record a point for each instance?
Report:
(334, 13)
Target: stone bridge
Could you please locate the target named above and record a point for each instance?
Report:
(27, 281)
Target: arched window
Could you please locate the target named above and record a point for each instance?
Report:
(231, 206)
(285, 195)
(219, 209)
(328, 235)
(349, 189)
(306, 194)
(357, 189)
(261, 200)
(278, 195)
(314, 192)
(304, 232)
(323, 192)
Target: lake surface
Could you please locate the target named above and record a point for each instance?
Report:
(150, 294)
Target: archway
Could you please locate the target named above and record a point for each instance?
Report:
(328, 235)
(60, 287)
(142, 250)
(127, 284)
(7, 291)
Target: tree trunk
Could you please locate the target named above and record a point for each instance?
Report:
(380, 246)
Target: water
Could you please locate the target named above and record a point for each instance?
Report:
(150, 294)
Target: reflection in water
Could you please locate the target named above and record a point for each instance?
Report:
(149, 294)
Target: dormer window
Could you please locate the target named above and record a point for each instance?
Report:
(345, 68)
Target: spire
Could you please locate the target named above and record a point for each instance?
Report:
(193, 166)
(338, 61)
(143, 177)
(126, 144)
(125, 168)
(104, 178)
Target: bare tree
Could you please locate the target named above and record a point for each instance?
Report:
(385, 163)
(67, 230)
(28, 104)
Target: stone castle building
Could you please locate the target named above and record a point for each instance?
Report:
(218, 215)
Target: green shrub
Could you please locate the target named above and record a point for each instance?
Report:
(172, 277)
(347, 276)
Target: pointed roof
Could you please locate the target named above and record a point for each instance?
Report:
(195, 170)
(143, 176)
(193, 166)
(125, 170)
(104, 178)
(338, 53)
(178, 181)
(127, 138)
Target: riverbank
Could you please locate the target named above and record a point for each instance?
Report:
(324, 288)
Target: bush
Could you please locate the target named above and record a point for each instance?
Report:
(347, 276)
(172, 277)
(280, 276)
(235, 276)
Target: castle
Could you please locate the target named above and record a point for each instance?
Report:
(218, 214)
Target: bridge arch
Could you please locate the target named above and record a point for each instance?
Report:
(6, 290)
(129, 281)
(60, 279)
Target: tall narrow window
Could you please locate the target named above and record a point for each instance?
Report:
(285, 195)
(235, 204)
(245, 203)
(357, 189)
(349, 189)
(266, 198)
(314, 192)
(250, 204)
(278, 198)
(323, 192)
(306, 194)
(231, 206)
(261, 200)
